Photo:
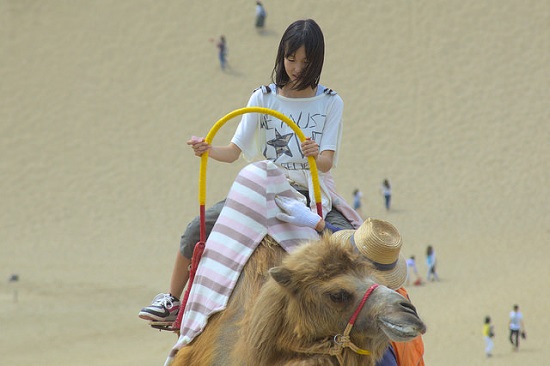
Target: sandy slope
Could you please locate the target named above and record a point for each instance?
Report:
(448, 99)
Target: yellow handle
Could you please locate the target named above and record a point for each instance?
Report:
(282, 117)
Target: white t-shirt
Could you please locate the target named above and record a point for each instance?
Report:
(262, 136)
(260, 10)
(319, 117)
(515, 320)
(411, 264)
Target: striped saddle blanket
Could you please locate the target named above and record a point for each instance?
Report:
(248, 216)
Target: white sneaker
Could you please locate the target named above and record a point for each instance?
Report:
(164, 308)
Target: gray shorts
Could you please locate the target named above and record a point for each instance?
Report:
(192, 233)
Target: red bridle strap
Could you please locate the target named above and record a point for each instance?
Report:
(363, 301)
(344, 340)
(335, 347)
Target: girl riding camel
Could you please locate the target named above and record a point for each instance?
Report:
(317, 110)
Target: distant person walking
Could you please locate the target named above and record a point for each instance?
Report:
(357, 196)
(260, 15)
(386, 192)
(411, 268)
(222, 50)
(488, 334)
(517, 327)
(431, 262)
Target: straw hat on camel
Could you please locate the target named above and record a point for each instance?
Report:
(380, 242)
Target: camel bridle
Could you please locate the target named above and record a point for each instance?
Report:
(335, 346)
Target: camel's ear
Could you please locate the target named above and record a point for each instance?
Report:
(282, 275)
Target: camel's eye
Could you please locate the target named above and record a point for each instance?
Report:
(341, 296)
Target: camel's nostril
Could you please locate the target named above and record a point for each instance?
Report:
(408, 307)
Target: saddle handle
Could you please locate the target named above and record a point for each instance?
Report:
(210, 136)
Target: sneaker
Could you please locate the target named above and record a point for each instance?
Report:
(164, 308)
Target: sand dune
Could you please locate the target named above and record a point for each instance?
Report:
(447, 99)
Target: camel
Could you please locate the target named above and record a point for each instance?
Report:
(295, 309)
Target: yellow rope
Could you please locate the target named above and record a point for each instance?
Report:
(238, 112)
(334, 347)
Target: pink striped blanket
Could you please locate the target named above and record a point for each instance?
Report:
(248, 216)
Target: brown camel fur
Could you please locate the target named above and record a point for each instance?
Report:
(284, 304)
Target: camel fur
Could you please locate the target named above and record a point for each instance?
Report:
(285, 306)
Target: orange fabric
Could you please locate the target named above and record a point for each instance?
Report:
(409, 353)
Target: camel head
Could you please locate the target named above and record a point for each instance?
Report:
(311, 297)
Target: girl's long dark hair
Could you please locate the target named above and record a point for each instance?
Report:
(305, 33)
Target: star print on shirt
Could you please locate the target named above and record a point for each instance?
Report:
(280, 143)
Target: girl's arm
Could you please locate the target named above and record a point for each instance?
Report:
(225, 154)
(324, 160)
